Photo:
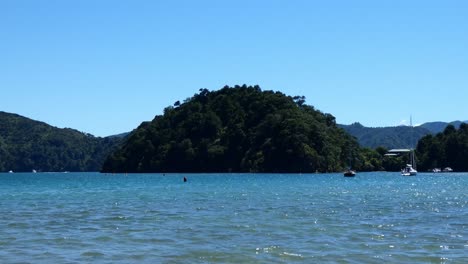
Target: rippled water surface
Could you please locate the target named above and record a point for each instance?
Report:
(233, 218)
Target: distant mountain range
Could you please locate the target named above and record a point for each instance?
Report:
(395, 137)
(436, 127)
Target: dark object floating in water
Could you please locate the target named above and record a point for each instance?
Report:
(185, 179)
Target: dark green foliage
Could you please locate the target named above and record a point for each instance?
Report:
(446, 149)
(26, 144)
(369, 160)
(238, 129)
(388, 137)
(437, 127)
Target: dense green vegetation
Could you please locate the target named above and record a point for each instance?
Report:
(388, 137)
(394, 137)
(238, 129)
(446, 149)
(437, 127)
(26, 144)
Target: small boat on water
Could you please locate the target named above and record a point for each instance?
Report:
(448, 169)
(410, 168)
(10, 171)
(409, 171)
(349, 173)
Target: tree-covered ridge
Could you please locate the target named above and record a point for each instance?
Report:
(446, 149)
(237, 129)
(437, 127)
(396, 136)
(27, 144)
(388, 137)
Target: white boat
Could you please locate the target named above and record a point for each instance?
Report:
(410, 169)
(10, 171)
(448, 169)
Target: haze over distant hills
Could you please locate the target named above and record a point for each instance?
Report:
(397, 136)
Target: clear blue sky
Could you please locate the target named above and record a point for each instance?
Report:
(103, 67)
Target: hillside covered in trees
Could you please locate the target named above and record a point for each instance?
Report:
(437, 127)
(237, 129)
(27, 144)
(396, 136)
(446, 149)
(388, 137)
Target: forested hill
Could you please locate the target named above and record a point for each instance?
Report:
(388, 137)
(437, 127)
(27, 144)
(397, 136)
(236, 129)
(445, 149)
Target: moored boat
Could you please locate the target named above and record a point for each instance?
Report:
(410, 168)
(409, 171)
(349, 173)
(448, 169)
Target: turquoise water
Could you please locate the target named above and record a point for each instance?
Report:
(233, 218)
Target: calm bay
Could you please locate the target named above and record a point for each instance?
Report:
(233, 218)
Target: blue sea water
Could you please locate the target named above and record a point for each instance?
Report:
(233, 218)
